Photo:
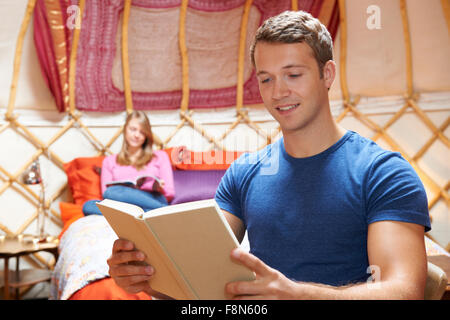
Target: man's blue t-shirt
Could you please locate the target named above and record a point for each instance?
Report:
(309, 217)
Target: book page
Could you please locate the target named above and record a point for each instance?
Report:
(134, 182)
(148, 176)
(179, 208)
(125, 208)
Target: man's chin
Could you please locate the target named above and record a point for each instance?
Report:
(288, 128)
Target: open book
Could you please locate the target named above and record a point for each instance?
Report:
(188, 244)
(136, 182)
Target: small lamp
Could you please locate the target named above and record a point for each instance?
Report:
(32, 176)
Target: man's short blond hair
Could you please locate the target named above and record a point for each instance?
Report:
(296, 27)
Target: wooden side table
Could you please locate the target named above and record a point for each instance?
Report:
(18, 246)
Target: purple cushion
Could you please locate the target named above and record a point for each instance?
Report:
(193, 185)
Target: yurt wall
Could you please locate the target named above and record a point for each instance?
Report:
(392, 86)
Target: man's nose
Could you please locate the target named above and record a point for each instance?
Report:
(280, 90)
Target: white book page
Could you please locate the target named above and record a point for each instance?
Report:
(128, 208)
(188, 206)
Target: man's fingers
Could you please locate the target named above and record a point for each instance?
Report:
(122, 245)
(131, 271)
(243, 288)
(128, 268)
(131, 280)
(121, 257)
(133, 284)
(138, 287)
(250, 261)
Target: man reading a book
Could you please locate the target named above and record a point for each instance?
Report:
(339, 218)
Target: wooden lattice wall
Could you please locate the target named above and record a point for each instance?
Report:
(74, 119)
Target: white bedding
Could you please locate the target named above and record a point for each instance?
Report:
(84, 249)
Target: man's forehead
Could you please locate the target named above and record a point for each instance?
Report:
(283, 56)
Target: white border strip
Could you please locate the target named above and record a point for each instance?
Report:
(439, 101)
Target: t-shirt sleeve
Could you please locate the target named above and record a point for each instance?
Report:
(228, 194)
(395, 192)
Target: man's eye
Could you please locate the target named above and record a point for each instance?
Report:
(295, 75)
(265, 80)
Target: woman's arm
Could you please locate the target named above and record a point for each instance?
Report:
(165, 173)
(106, 173)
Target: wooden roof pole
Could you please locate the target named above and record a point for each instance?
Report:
(125, 60)
(18, 57)
(184, 58)
(241, 56)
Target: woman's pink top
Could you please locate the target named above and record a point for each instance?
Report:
(159, 166)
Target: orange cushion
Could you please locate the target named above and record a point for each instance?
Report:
(70, 212)
(82, 162)
(106, 289)
(183, 159)
(83, 178)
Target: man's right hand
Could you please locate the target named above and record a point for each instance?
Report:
(128, 269)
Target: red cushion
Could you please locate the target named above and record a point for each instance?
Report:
(70, 212)
(83, 178)
(83, 162)
(106, 289)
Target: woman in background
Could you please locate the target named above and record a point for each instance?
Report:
(136, 158)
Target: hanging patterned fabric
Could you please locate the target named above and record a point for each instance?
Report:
(159, 70)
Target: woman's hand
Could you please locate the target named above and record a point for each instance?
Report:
(158, 187)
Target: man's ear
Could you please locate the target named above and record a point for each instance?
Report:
(329, 73)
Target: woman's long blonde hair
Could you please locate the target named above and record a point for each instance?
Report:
(123, 157)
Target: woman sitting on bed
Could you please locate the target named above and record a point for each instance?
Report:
(136, 158)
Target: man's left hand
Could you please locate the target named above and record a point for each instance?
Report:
(269, 284)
